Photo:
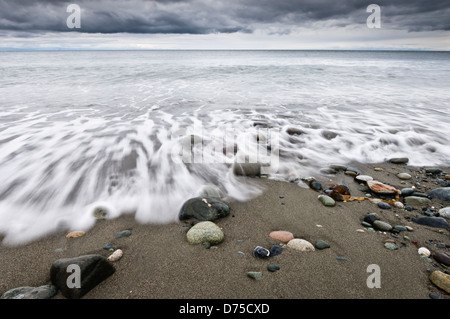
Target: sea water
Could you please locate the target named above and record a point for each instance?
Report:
(143, 131)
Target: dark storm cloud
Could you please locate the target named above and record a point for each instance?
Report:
(208, 16)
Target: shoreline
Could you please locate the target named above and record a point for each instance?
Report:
(158, 262)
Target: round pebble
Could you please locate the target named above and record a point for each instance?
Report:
(273, 267)
(424, 252)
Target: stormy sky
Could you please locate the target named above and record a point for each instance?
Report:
(225, 24)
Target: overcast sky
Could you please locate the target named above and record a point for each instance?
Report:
(220, 24)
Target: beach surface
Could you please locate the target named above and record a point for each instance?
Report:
(159, 263)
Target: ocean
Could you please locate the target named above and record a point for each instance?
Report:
(143, 131)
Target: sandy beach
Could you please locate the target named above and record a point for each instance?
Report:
(158, 262)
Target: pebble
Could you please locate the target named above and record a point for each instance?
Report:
(399, 160)
(256, 275)
(366, 224)
(417, 201)
(360, 230)
(370, 218)
(378, 169)
(273, 267)
(384, 205)
(109, 247)
(404, 176)
(445, 212)
(343, 259)
(380, 188)
(116, 255)
(433, 170)
(321, 244)
(447, 177)
(380, 225)
(261, 252)
(364, 178)
(100, 213)
(326, 200)
(275, 250)
(75, 234)
(441, 280)
(437, 222)
(442, 258)
(282, 235)
(205, 231)
(424, 252)
(399, 205)
(400, 228)
(300, 245)
(123, 233)
(41, 292)
(407, 191)
(391, 246)
(442, 193)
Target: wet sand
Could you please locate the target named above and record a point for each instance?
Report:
(158, 262)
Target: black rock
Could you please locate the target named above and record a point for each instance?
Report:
(399, 160)
(442, 193)
(437, 222)
(204, 209)
(442, 258)
(275, 250)
(93, 269)
(370, 218)
(384, 205)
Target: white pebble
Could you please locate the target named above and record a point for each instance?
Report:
(424, 252)
(399, 205)
(116, 255)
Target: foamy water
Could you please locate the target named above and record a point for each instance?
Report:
(80, 130)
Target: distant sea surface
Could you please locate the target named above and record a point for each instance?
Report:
(85, 129)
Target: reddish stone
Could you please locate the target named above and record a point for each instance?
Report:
(282, 235)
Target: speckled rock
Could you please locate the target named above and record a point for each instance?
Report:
(300, 245)
(205, 231)
(441, 280)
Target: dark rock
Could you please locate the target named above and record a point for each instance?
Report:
(123, 233)
(42, 292)
(370, 218)
(384, 205)
(433, 170)
(204, 209)
(93, 270)
(261, 252)
(294, 131)
(407, 191)
(435, 296)
(329, 135)
(442, 193)
(109, 247)
(321, 244)
(442, 258)
(437, 222)
(315, 185)
(275, 250)
(399, 160)
(273, 267)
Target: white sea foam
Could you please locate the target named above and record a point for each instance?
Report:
(78, 135)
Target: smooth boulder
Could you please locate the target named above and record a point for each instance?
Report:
(203, 209)
(441, 280)
(442, 193)
(92, 270)
(437, 222)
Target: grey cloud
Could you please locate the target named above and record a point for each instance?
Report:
(204, 16)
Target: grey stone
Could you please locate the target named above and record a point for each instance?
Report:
(407, 191)
(437, 222)
(404, 176)
(390, 246)
(205, 231)
(273, 267)
(123, 233)
(327, 200)
(247, 169)
(42, 292)
(321, 244)
(445, 212)
(204, 209)
(417, 201)
(442, 193)
(384, 205)
(256, 275)
(380, 225)
(399, 160)
(433, 170)
(93, 270)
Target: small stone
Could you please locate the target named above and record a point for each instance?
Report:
(380, 225)
(384, 205)
(424, 252)
(391, 246)
(433, 170)
(75, 234)
(281, 235)
(380, 188)
(399, 205)
(42, 292)
(417, 201)
(378, 169)
(441, 280)
(256, 275)
(437, 222)
(326, 200)
(407, 191)
(123, 233)
(442, 193)
(360, 230)
(404, 176)
(275, 250)
(273, 267)
(442, 258)
(315, 185)
(400, 228)
(366, 224)
(321, 244)
(116, 255)
(300, 245)
(445, 212)
(205, 231)
(370, 218)
(399, 160)
(261, 252)
(363, 178)
(432, 295)
(100, 213)
(109, 247)
(203, 209)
